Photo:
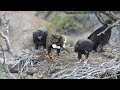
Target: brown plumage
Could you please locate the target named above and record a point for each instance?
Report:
(83, 47)
(39, 38)
(102, 39)
(55, 39)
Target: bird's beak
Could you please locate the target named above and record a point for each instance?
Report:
(39, 38)
(86, 51)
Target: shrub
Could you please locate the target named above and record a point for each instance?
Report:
(61, 21)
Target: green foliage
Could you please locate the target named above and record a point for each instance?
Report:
(43, 14)
(55, 21)
(62, 21)
(39, 13)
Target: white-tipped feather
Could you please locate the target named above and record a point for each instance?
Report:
(55, 46)
(65, 41)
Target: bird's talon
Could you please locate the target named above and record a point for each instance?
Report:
(47, 56)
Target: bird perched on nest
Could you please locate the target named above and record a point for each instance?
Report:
(39, 38)
(54, 41)
(101, 39)
(83, 47)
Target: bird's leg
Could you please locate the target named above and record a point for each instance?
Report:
(56, 59)
(85, 62)
(45, 50)
(58, 53)
(36, 46)
(44, 45)
(49, 52)
(79, 61)
(52, 56)
(47, 56)
(79, 57)
(86, 56)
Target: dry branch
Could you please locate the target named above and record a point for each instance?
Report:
(6, 25)
(6, 40)
(5, 66)
(117, 23)
(110, 15)
(99, 17)
(105, 70)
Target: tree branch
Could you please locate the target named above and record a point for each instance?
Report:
(6, 23)
(117, 23)
(6, 40)
(99, 17)
(5, 66)
(111, 16)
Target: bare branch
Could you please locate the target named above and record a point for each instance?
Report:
(6, 23)
(105, 70)
(5, 66)
(99, 17)
(111, 16)
(3, 54)
(117, 23)
(6, 40)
